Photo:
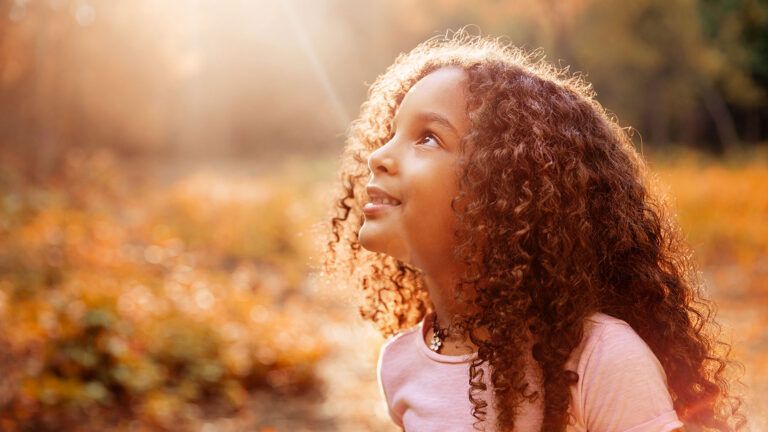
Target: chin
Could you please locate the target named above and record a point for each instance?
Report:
(368, 241)
(381, 243)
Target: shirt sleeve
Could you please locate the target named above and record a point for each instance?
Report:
(624, 385)
(381, 382)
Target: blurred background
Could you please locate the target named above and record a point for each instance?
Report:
(166, 168)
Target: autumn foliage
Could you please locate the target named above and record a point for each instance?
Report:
(120, 302)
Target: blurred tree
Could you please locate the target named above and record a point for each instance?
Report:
(739, 29)
(652, 53)
(63, 88)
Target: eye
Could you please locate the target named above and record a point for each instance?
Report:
(427, 138)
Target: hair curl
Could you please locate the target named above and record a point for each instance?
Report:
(561, 219)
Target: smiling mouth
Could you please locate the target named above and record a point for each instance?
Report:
(384, 200)
(380, 205)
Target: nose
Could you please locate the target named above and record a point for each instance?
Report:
(382, 161)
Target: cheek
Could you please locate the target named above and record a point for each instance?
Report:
(428, 215)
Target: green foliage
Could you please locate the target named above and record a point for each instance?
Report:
(739, 29)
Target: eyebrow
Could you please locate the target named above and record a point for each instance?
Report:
(433, 117)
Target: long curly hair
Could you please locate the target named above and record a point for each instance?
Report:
(559, 218)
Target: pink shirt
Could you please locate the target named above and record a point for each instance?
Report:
(622, 386)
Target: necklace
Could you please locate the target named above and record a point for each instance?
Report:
(438, 335)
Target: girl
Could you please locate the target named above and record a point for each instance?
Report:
(508, 241)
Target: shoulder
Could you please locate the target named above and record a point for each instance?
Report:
(612, 348)
(400, 341)
(622, 385)
(393, 365)
(397, 348)
(610, 341)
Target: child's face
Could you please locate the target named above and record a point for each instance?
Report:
(418, 168)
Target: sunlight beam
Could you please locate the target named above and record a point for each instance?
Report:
(317, 67)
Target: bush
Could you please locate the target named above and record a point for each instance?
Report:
(144, 306)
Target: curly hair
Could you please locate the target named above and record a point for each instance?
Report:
(560, 218)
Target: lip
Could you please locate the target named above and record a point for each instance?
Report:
(373, 209)
(377, 192)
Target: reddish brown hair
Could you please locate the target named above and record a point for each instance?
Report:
(560, 217)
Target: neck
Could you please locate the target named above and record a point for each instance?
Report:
(441, 286)
(441, 292)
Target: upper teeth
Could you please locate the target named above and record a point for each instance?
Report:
(381, 200)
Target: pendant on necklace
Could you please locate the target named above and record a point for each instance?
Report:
(436, 343)
(438, 335)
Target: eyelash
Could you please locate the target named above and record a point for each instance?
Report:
(427, 134)
(430, 135)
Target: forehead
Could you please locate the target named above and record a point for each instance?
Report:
(442, 91)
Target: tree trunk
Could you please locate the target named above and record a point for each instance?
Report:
(724, 124)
